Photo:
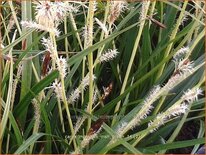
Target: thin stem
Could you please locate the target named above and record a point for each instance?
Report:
(90, 58)
(134, 51)
(173, 35)
(52, 36)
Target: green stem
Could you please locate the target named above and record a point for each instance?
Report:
(52, 36)
(27, 66)
(134, 51)
(90, 58)
(173, 35)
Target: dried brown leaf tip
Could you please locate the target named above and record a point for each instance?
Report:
(163, 26)
(96, 127)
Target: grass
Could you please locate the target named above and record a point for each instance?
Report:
(126, 82)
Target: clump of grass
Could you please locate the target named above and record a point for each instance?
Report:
(74, 81)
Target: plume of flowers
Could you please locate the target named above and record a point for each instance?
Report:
(181, 53)
(183, 68)
(57, 89)
(143, 12)
(76, 93)
(109, 55)
(174, 111)
(48, 45)
(87, 34)
(49, 15)
(63, 66)
(116, 8)
(143, 112)
(102, 26)
(191, 95)
(34, 25)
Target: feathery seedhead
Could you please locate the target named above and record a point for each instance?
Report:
(183, 69)
(143, 13)
(185, 66)
(177, 110)
(102, 26)
(145, 109)
(34, 25)
(109, 55)
(63, 66)
(146, 106)
(79, 122)
(51, 13)
(87, 34)
(174, 111)
(57, 89)
(181, 53)
(85, 81)
(95, 96)
(48, 45)
(191, 95)
(120, 128)
(151, 94)
(116, 8)
(74, 96)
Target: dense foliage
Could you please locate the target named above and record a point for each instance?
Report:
(102, 77)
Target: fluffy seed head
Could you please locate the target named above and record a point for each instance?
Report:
(48, 45)
(78, 124)
(63, 66)
(182, 71)
(34, 25)
(146, 106)
(109, 55)
(184, 66)
(174, 111)
(144, 111)
(143, 12)
(85, 81)
(49, 14)
(74, 96)
(181, 53)
(116, 8)
(191, 95)
(102, 26)
(87, 34)
(57, 89)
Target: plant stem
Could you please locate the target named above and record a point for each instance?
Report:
(27, 67)
(52, 36)
(173, 35)
(134, 51)
(90, 58)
